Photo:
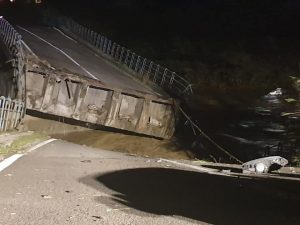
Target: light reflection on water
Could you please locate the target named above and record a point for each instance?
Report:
(266, 132)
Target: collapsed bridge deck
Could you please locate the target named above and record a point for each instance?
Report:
(65, 78)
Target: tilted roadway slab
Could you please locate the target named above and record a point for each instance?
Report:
(66, 78)
(63, 183)
(66, 53)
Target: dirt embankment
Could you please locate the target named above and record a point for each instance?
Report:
(131, 144)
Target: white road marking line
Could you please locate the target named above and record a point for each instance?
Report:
(62, 33)
(40, 145)
(9, 161)
(61, 51)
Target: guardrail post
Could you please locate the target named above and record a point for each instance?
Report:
(6, 31)
(149, 70)
(131, 61)
(143, 66)
(86, 30)
(127, 55)
(104, 45)
(81, 30)
(101, 43)
(90, 38)
(137, 64)
(117, 52)
(98, 41)
(164, 77)
(172, 78)
(108, 47)
(6, 113)
(95, 39)
(2, 103)
(113, 48)
(156, 73)
(121, 55)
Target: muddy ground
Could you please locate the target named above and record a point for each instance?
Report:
(109, 140)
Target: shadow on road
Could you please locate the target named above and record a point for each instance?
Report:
(202, 197)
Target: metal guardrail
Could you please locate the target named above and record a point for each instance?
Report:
(12, 40)
(143, 68)
(10, 37)
(11, 113)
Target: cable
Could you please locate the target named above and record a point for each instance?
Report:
(207, 137)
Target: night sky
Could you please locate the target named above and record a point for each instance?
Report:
(195, 17)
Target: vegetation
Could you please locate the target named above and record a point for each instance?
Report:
(20, 143)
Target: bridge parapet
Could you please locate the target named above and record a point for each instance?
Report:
(143, 68)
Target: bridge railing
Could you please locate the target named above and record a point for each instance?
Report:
(11, 113)
(143, 68)
(12, 41)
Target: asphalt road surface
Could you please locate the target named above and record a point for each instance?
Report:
(67, 54)
(63, 183)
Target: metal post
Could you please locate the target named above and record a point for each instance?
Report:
(95, 39)
(127, 55)
(101, 42)
(2, 104)
(117, 52)
(131, 61)
(113, 48)
(143, 66)
(108, 47)
(81, 31)
(86, 30)
(104, 45)
(6, 113)
(172, 78)
(121, 55)
(137, 64)
(98, 41)
(91, 35)
(149, 70)
(164, 77)
(156, 73)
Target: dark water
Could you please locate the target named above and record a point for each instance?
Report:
(259, 131)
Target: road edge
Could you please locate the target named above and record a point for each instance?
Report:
(10, 160)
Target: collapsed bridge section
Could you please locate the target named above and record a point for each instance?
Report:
(65, 78)
(73, 96)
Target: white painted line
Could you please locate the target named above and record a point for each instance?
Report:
(40, 145)
(9, 161)
(62, 33)
(61, 51)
